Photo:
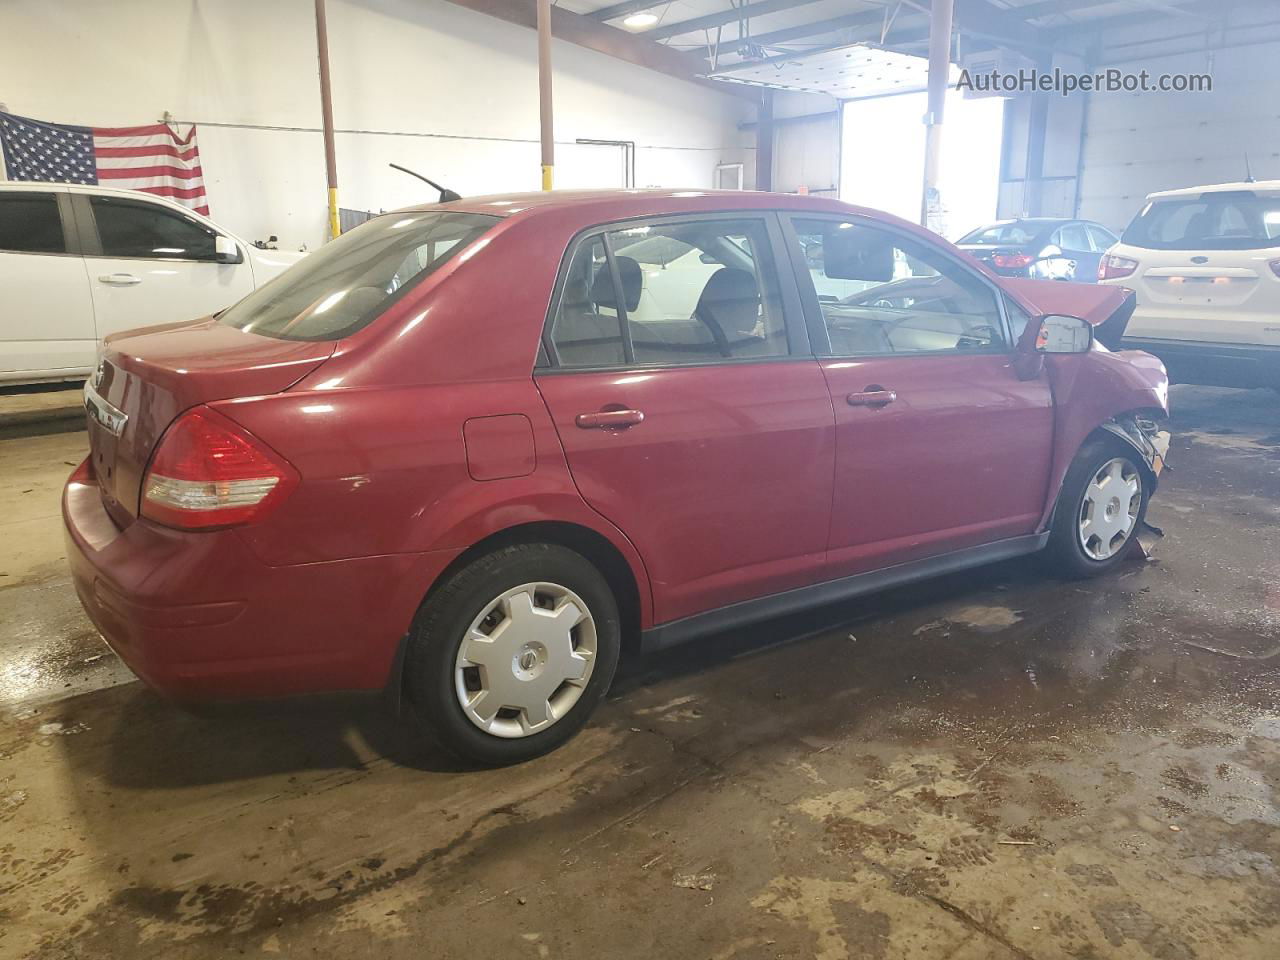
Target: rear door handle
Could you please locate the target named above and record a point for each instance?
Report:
(872, 397)
(119, 279)
(609, 419)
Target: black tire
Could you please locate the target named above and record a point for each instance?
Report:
(448, 612)
(1065, 551)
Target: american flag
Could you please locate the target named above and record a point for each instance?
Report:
(151, 158)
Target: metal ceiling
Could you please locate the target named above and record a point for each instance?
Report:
(724, 33)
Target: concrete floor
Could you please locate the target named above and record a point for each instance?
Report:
(989, 766)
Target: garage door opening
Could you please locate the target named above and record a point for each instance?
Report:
(882, 157)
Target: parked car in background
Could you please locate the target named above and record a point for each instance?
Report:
(78, 263)
(1205, 264)
(465, 450)
(1043, 248)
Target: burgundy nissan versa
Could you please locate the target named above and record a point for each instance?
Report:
(465, 450)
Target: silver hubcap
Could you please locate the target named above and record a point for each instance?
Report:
(1109, 511)
(525, 660)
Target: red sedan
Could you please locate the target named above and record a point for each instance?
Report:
(466, 450)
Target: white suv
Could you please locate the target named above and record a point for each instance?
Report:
(1205, 265)
(80, 262)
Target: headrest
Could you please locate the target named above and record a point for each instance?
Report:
(729, 285)
(632, 281)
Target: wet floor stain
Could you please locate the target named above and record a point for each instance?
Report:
(989, 766)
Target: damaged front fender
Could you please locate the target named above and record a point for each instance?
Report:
(1146, 437)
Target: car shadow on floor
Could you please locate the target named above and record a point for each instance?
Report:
(134, 738)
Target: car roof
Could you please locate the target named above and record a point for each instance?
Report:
(97, 190)
(606, 205)
(1245, 185)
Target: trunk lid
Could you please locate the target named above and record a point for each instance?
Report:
(149, 376)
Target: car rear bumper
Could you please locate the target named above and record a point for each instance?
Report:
(1215, 364)
(198, 617)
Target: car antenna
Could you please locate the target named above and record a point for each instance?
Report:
(1248, 171)
(445, 193)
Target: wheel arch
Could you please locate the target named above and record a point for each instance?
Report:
(1122, 428)
(605, 555)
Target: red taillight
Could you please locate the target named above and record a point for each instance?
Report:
(1112, 267)
(1012, 261)
(210, 472)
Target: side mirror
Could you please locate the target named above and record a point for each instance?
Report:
(1062, 334)
(226, 250)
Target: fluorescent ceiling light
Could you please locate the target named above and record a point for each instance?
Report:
(638, 21)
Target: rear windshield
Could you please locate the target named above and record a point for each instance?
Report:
(1236, 220)
(1003, 234)
(345, 284)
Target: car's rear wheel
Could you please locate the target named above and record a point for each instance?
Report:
(509, 657)
(1100, 509)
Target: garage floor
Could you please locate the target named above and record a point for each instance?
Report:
(987, 766)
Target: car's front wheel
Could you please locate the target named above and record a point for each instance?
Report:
(1100, 509)
(509, 657)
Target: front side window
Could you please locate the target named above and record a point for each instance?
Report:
(29, 223)
(691, 292)
(1229, 220)
(881, 293)
(345, 284)
(136, 229)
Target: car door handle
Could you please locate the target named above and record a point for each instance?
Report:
(119, 279)
(609, 419)
(872, 397)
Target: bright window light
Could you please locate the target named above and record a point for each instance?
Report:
(882, 157)
(638, 21)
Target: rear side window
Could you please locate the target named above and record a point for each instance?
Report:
(1000, 234)
(29, 223)
(1103, 240)
(587, 330)
(135, 229)
(1073, 237)
(697, 291)
(1230, 220)
(344, 285)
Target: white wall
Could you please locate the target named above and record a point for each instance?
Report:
(1138, 143)
(806, 152)
(424, 83)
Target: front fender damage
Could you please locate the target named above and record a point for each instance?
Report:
(1145, 436)
(1149, 441)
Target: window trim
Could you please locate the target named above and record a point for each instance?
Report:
(66, 221)
(813, 311)
(91, 240)
(793, 319)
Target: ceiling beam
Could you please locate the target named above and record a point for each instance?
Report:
(1045, 8)
(600, 37)
(850, 21)
(1213, 10)
(1005, 27)
(722, 17)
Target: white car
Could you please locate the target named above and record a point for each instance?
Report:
(80, 262)
(1205, 265)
